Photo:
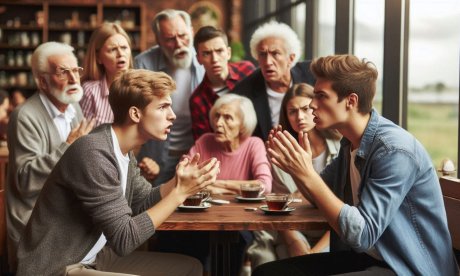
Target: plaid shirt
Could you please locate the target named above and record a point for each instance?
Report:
(204, 96)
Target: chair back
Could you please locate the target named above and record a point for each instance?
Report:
(450, 187)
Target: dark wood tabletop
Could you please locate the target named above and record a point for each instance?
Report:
(233, 216)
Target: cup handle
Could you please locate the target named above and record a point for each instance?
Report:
(262, 190)
(208, 194)
(290, 200)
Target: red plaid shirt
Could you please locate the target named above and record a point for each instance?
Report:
(204, 96)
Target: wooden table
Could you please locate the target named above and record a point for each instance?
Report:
(226, 220)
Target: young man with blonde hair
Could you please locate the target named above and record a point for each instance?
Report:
(96, 208)
(381, 195)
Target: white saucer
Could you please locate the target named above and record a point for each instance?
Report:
(204, 206)
(286, 210)
(240, 198)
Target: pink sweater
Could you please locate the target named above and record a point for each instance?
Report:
(248, 162)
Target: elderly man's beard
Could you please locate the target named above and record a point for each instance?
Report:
(183, 62)
(65, 98)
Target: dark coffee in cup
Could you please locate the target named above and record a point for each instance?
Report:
(251, 190)
(278, 202)
(196, 199)
(276, 205)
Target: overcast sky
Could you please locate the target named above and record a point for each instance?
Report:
(434, 38)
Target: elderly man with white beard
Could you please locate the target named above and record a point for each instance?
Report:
(40, 131)
(176, 56)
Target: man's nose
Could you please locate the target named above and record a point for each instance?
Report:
(179, 42)
(172, 115)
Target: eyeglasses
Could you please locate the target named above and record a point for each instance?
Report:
(64, 73)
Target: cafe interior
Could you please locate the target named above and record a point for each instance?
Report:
(414, 46)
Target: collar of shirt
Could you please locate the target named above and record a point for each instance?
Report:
(230, 82)
(69, 113)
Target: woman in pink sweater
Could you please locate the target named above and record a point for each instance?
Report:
(243, 159)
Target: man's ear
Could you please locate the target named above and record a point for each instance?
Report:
(229, 53)
(291, 59)
(352, 100)
(42, 83)
(198, 58)
(134, 114)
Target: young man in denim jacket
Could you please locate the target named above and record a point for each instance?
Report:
(381, 195)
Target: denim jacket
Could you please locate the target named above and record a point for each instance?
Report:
(401, 211)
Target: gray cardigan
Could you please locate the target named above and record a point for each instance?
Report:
(82, 199)
(34, 148)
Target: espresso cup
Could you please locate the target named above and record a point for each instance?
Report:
(197, 199)
(278, 202)
(251, 190)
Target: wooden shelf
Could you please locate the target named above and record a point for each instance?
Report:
(57, 19)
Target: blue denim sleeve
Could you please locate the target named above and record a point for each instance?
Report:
(387, 178)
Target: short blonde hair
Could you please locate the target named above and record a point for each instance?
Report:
(137, 87)
(246, 112)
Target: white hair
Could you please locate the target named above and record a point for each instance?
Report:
(277, 30)
(39, 62)
(246, 109)
(169, 14)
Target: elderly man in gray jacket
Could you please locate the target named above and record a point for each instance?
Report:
(40, 131)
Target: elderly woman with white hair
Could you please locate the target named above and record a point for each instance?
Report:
(277, 48)
(242, 158)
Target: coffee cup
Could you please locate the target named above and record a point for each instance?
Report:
(251, 190)
(278, 202)
(197, 199)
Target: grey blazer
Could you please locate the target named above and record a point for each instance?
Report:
(34, 148)
(81, 199)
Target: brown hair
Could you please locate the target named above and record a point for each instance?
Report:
(301, 90)
(348, 74)
(137, 87)
(207, 33)
(93, 70)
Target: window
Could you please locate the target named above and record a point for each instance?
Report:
(433, 76)
(368, 39)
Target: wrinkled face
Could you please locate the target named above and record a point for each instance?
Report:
(274, 61)
(299, 114)
(328, 112)
(214, 55)
(115, 54)
(62, 86)
(227, 123)
(156, 119)
(175, 40)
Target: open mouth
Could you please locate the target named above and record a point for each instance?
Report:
(121, 64)
(181, 54)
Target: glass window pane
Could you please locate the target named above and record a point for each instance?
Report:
(326, 28)
(368, 39)
(433, 76)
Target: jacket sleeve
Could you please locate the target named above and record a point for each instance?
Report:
(98, 190)
(34, 154)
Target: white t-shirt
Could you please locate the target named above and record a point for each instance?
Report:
(274, 101)
(221, 90)
(181, 137)
(355, 180)
(123, 164)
